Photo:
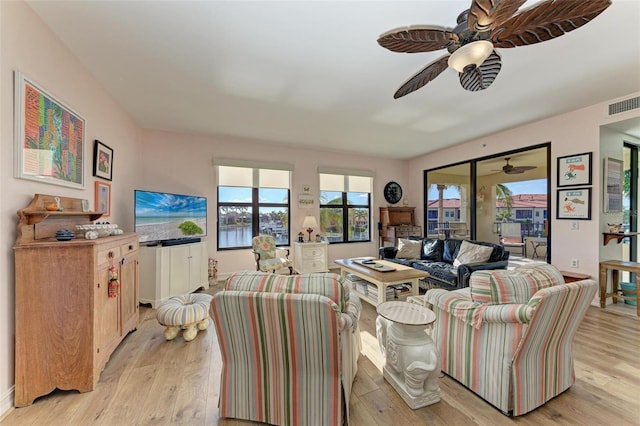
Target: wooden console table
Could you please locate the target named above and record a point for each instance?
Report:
(616, 266)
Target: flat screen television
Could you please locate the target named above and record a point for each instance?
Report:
(169, 218)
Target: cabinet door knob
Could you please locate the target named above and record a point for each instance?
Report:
(130, 246)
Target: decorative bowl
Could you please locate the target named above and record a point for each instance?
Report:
(64, 235)
(102, 229)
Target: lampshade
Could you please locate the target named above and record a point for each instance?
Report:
(309, 222)
(474, 53)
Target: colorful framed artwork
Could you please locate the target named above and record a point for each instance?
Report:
(49, 137)
(574, 204)
(102, 160)
(613, 181)
(103, 198)
(574, 170)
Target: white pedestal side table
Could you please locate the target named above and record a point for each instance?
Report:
(412, 362)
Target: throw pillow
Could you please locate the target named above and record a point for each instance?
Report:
(472, 253)
(432, 249)
(408, 249)
(518, 285)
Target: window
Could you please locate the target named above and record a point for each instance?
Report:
(524, 214)
(345, 206)
(252, 201)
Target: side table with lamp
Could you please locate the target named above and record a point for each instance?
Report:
(310, 256)
(309, 223)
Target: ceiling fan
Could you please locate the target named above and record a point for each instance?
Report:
(487, 25)
(514, 170)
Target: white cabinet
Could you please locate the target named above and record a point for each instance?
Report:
(310, 257)
(170, 271)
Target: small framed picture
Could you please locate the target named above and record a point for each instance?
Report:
(574, 170)
(103, 198)
(85, 205)
(102, 160)
(613, 181)
(305, 201)
(574, 204)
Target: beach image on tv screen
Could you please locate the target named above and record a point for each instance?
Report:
(162, 216)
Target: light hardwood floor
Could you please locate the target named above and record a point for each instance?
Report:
(150, 381)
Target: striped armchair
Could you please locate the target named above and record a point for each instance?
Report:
(290, 347)
(508, 337)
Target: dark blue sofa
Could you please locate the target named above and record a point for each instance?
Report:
(437, 256)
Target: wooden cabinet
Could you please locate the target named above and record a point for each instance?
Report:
(67, 325)
(310, 257)
(172, 270)
(397, 222)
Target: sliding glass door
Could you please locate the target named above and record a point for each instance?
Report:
(475, 198)
(630, 200)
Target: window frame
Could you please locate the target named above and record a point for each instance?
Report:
(345, 206)
(255, 205)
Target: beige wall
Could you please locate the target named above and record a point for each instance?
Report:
(27, 45)
(183, 163)
(570, 133)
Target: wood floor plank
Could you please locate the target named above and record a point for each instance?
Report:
(149, 381)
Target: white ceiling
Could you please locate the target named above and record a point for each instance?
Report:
(311, 74)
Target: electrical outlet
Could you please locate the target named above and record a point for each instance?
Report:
(574, 225)
(574, 263)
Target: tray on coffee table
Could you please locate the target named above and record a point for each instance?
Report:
(377, 266)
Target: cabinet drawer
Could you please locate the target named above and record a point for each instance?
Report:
(103, 255)
(312, 252)
(312, 266)
(129, 247)
(402, 234)
(315, 265)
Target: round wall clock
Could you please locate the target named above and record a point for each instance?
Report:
(392, 192)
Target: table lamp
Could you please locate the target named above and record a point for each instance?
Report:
(309, 223)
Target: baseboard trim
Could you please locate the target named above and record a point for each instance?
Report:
(6, 403)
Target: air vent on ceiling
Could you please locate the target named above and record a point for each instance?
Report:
(624, 106)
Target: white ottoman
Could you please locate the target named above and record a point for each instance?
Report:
(188, 311)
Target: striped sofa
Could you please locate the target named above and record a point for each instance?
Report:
(290, 347)
(508, 337)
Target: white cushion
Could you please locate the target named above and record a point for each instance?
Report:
(472, 253)
(408, 249)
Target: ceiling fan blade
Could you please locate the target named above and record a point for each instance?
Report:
(513, 171)
(546, 20)
(418, 38)
(524, 168)
(422, 77)
(483, 76)
(485, 15)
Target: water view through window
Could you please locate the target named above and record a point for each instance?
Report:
(236, 208)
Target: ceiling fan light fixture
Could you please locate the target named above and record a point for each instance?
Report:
(474, 53)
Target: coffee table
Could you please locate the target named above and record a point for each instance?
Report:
(412, 363)
(401, 274)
